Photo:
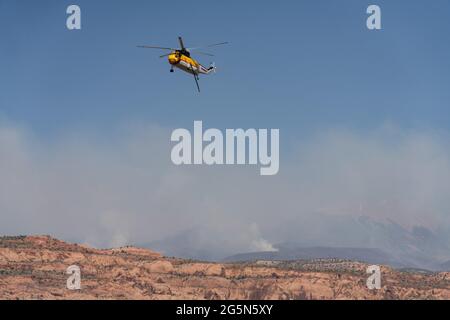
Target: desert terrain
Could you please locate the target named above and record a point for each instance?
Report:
(34, 267)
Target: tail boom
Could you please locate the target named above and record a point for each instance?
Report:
(204, 70)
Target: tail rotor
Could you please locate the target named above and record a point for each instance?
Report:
(212, 67)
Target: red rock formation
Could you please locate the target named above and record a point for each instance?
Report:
(35, 268)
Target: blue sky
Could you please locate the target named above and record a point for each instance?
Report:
(300, 66)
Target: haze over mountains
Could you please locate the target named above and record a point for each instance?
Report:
(346, 237)
(126, 192)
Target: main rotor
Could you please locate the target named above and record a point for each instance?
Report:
(183, 50)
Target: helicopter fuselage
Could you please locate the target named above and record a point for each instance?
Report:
(186, 63)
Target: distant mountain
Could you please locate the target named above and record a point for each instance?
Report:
(288, 252)
(322, 235)
(416, 247)
(445, 266)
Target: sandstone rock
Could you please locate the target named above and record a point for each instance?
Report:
(34, 268)
(159, 267)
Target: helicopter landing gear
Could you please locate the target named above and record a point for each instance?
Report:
(171, 70)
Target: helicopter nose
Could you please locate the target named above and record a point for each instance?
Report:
(173, 59)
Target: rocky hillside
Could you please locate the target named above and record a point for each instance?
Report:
(35, 268)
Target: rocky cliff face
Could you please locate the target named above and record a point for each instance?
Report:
(35, 268)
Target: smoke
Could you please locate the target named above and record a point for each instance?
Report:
(125, 190)
(259, 243)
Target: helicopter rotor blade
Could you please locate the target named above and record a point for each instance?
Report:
(209, 46)
(204, 53)
(152, 47)
(196, 81)
(181, 43)
(165, 55)
(195, 77)
(217, 44)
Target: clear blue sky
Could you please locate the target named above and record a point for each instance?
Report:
(295, 65)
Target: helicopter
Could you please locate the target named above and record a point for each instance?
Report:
(181, 58)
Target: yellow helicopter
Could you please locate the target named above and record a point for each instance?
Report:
(181, 59)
